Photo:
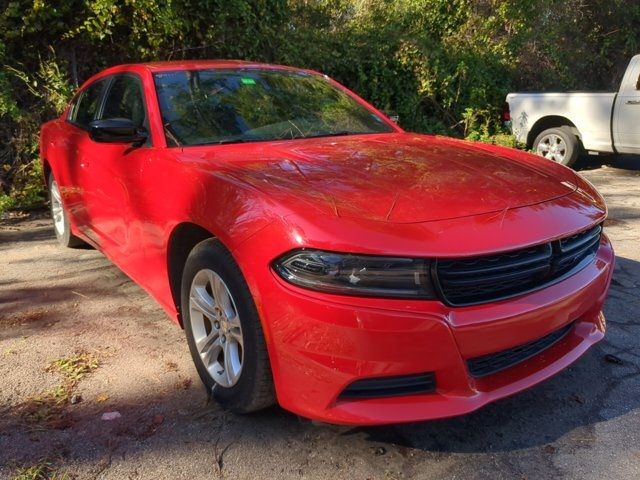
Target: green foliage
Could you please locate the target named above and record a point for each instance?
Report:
(28, 183)
(7, 202)
(75, 367)
(43, 470)
(444, 66)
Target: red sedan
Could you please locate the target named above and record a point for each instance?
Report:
(319, 256)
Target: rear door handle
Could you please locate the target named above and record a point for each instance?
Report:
(633, 102)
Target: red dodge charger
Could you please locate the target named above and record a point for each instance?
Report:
(318, 255)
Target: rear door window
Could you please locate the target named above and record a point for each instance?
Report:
(125, 99)
(86, 106)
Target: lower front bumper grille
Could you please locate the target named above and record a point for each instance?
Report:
(390, 386)
(495, 362)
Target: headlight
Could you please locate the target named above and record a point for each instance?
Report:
(366, 275)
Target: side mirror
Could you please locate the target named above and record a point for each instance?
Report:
(117, 130)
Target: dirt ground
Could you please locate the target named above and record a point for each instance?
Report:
(78, 339)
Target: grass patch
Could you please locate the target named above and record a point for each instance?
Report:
(76, 367)
(49, 408)
(43, 470)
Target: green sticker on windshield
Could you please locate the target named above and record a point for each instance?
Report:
(247, 81)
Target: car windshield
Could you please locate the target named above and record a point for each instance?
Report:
(203, 107)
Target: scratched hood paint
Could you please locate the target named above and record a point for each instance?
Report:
(398, 178)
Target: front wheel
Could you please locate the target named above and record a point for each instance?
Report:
(223, 330)
(60, 218)
(558, 144)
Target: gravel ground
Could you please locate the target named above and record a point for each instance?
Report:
(65, 312)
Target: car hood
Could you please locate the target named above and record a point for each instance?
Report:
(397, 178)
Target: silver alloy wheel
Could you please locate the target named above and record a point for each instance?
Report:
(216, 327)
(57, 211)
(552, 147)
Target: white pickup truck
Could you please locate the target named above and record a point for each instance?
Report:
(559, 126)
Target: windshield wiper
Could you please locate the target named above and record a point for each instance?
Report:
(340, 133)
(225, 141)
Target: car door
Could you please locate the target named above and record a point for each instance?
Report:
(627, 117)
(112, 170)
(74, 142)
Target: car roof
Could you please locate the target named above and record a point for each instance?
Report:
(199, 65)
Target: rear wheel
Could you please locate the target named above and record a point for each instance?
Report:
(60, 218)
(558, 144)
(223, 330)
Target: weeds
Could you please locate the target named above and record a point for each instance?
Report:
(50, 407)
(76, 367)
(44, 470)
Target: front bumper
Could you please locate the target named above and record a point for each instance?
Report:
(319, 344)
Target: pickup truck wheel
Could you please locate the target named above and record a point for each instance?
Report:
(558, 144)
(223, 330)
(60, 219)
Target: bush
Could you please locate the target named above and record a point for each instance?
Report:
(444, 66)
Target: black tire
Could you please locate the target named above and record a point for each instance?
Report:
(254, 388)
(571, 144)
(64, 236)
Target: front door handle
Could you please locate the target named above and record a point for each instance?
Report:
(633, 102)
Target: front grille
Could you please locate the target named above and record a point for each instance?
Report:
(390, 386)
(469, 281)
(495, 362)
